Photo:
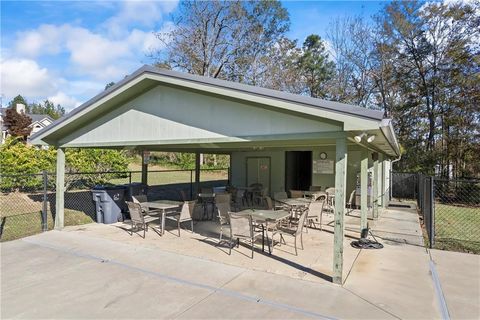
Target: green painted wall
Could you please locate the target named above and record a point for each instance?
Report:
(166, 114)
(278, 168)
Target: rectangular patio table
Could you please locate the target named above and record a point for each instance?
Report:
(296, 202)
(163, 205)
(265, 216)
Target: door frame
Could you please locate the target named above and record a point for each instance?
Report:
(269, 170)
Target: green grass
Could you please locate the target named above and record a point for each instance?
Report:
(457, 228)
(27, 224)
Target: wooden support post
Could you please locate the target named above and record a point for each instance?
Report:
(364, 189)
(339, 227)
(197, 172)
(386, 182)
(60, 190)
(375, 186)
(380, 181)
(145, 159)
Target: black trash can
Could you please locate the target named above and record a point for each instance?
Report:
(109, 203)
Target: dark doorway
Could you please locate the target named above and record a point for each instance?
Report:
(298, 170)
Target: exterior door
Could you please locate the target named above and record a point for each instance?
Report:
(258, 171)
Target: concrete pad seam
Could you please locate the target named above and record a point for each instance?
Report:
(438, 289)
(209, 295)
(353, 264)
(226, 292)
(371, 303)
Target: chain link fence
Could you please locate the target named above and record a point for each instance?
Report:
(457, 215)
(449, 209)
(28, 201)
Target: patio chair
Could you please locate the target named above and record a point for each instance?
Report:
(315, 188)
(184, 215)
(222, 213)
(294, 231)
(278, 197)
(206, 190)
(269, 203)
(223, 198)
(330, 197)
(141, 199)
(239, 199)
(259, 196)
(241, 228)
(351, 202)
(315, 212)
(138, 219)
(296, 194)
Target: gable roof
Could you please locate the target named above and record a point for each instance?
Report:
(147, 77)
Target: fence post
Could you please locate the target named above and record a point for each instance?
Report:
(45, 201)
(130, 177)
(228, 176)
(432, 211)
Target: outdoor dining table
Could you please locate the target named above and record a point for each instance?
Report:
(163, 205)
(262, 217)
(296, 202)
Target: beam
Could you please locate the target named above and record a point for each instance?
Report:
(386, 172)
(60, 190)
(197, 172)
(339, 227)
(145, 159)
(364, 189)
(375, 186)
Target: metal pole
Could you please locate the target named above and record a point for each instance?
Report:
(432, 211)
(45, 201)
(191, 184)
(130, 177)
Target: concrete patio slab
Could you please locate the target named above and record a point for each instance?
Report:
(459, 275)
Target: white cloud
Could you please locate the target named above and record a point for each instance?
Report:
(64, 100)
(24, 76)
(138, 13)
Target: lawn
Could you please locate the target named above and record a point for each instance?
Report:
(457, 228)
(21, 211)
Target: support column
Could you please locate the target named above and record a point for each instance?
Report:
(145, 158)
(197, 172)
(380, 181)
(386, 172)
(60, 190)
(339, 227)
(364, 189)
(375, 186)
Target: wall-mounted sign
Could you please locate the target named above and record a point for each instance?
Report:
(323, 166)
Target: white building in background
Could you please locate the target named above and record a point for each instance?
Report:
(39, 121)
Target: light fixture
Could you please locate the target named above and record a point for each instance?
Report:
(359, 137)
(371, 138)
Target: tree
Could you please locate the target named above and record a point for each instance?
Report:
(315, 67)
(18, 99)
(110, 84)
(223, 39)
(17, 124)
(48, 108)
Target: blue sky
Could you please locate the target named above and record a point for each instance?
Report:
(68, 51)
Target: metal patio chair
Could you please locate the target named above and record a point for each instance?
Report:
(184, 215)
(295, 231)
(315, 212)
(222, 214)
(138, 219)
(241, 228)
(296, 194)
